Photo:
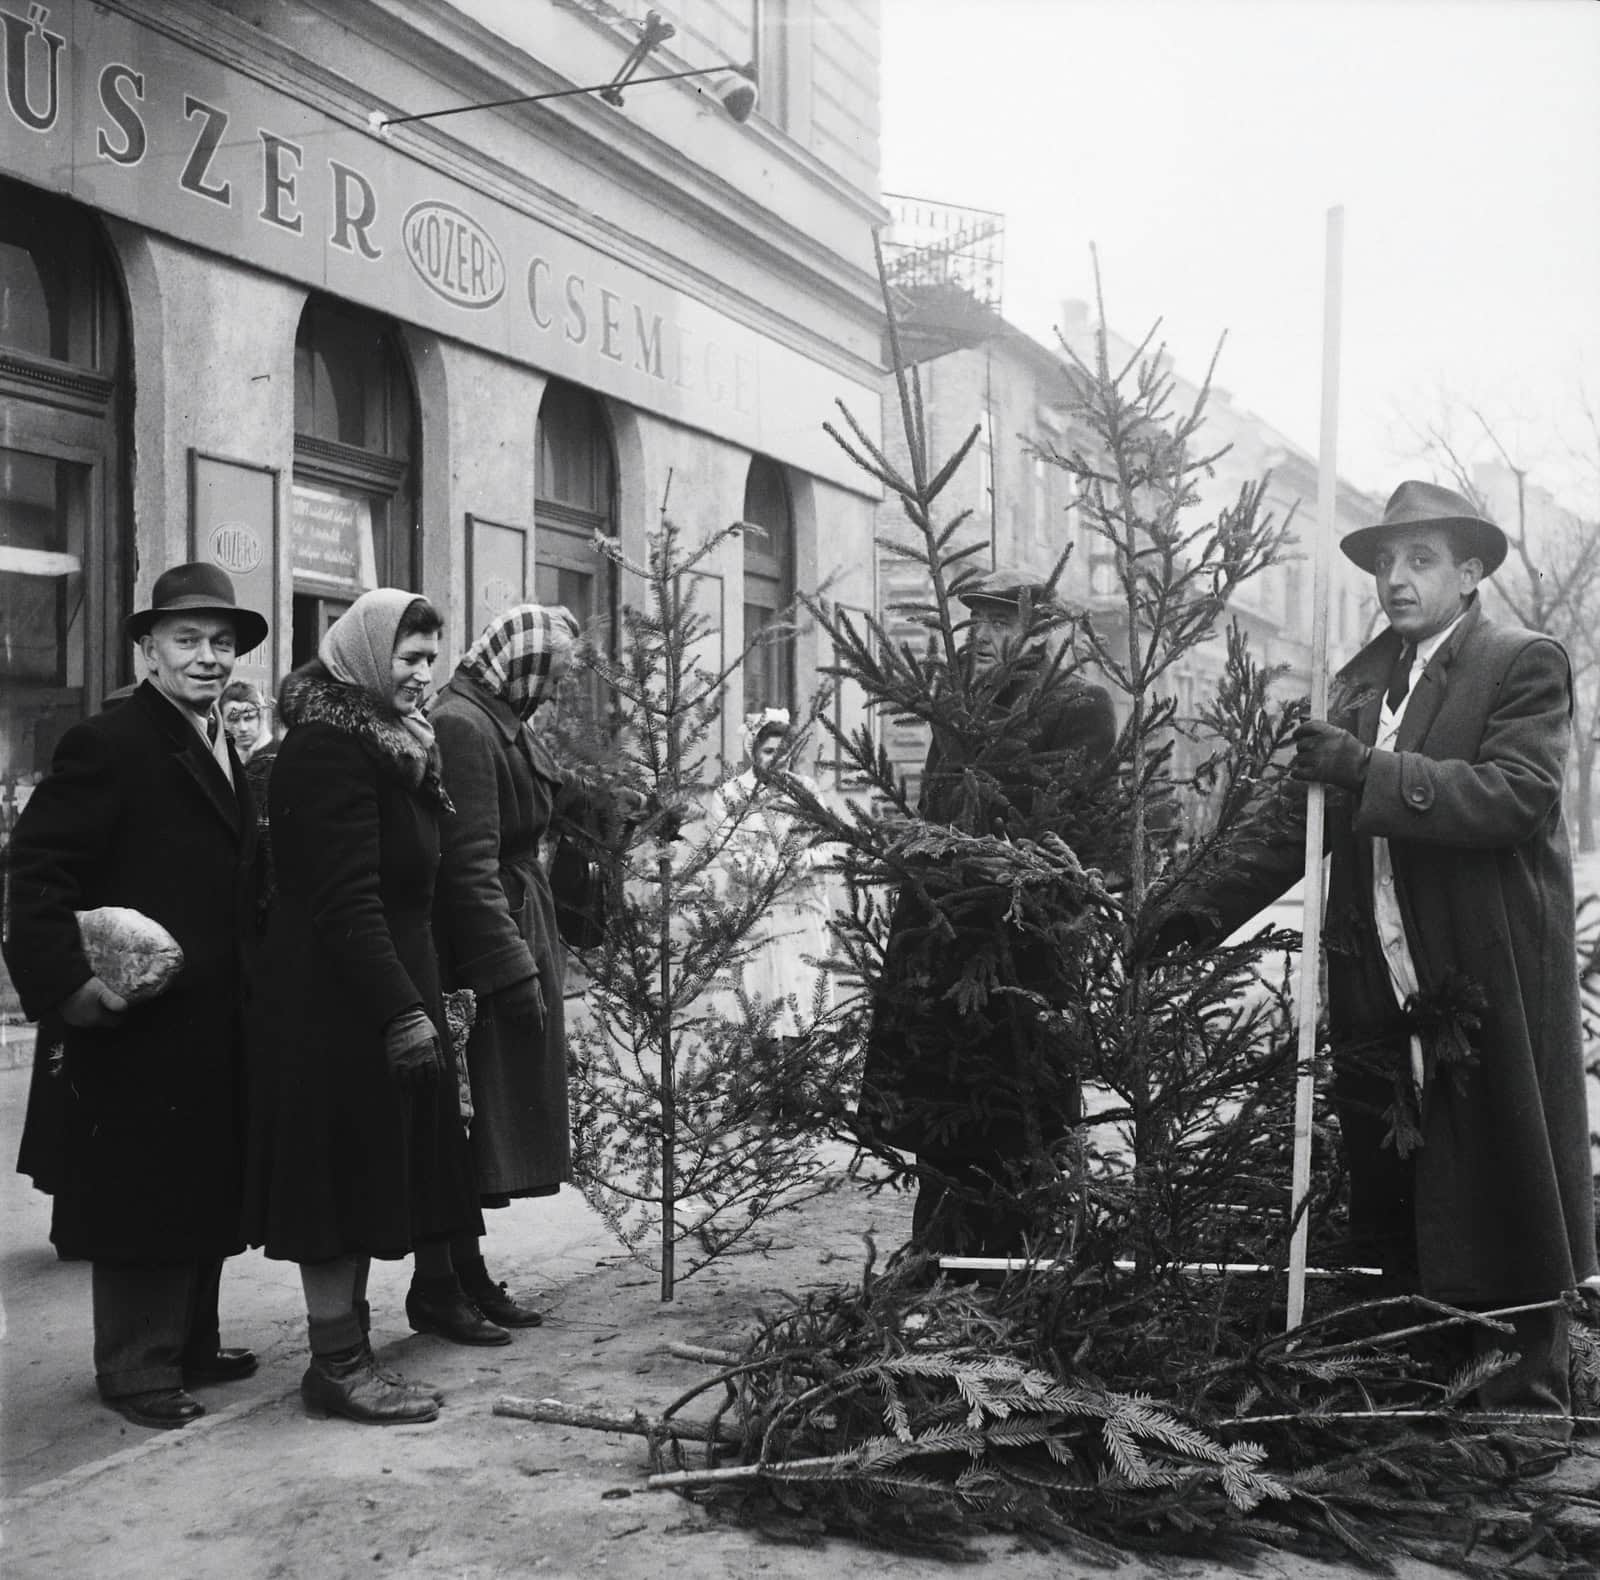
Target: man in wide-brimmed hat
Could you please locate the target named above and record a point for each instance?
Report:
(965, 1085)
(1452, 982)
(146, 807)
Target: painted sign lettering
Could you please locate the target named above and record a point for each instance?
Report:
(153, 127)
(18, 32)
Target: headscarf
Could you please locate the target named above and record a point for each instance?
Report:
(520, 654)
(359, 650)
(769, 721)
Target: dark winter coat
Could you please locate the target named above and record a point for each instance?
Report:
(147, 1134)
(495, 924)
(1470, 803)
(342, 1161)
(947, 1081)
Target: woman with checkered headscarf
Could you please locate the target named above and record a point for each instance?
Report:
(495, 921)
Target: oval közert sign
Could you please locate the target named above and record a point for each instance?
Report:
(454, 255)
(235, 547)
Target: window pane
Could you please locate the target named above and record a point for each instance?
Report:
(768, 586)
(42, 637)
(347, 384)
(31, 317)
(766, 505)
(572, 454)
(767, 670)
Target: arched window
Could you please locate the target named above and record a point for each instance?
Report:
(575, 496)
(65, 565)
(768, 538)
(354, 522)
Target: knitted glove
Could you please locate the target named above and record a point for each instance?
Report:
(411, 1045)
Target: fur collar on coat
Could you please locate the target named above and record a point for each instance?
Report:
(310, 695)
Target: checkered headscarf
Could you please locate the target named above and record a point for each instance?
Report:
(520, 655)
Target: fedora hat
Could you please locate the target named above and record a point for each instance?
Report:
(1415, 504)
(197, 588)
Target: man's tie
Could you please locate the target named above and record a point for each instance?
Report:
(1400, 677)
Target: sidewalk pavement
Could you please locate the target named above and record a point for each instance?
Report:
(259, 1491)
(52, 1421)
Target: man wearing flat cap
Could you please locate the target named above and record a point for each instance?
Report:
(146, 807)
(972, 1088)
(1452, 982)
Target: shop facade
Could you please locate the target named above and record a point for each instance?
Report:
(238, 323)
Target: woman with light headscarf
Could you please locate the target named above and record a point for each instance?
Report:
(495, 919)
(761, 847)
(356, 1142)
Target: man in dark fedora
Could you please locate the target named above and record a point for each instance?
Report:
(146, 806)
(975, 1090)
(1452, 977)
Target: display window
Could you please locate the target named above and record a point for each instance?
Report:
(352, 513)
(574, 487)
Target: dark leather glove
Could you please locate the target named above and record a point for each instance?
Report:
(1325, 754)
(1183, 931)
(411, 1045)
(522, 1003)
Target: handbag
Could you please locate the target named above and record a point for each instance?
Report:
(578, 886)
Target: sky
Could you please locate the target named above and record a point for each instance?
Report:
(1199, 145)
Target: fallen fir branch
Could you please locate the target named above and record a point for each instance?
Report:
(699, 1352)
(635, 1423)
(920, 1417)
(1462, 1418)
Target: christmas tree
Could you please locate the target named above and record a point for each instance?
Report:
(683, 1079)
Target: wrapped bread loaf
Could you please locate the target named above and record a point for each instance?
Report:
(460, 1011)
(134, 956)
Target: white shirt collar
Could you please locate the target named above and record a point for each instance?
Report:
(1430, 645)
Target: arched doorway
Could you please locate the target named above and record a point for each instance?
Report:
(65, 561)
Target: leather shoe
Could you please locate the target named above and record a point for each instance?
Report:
(423, 1390)
(497, 1303)
(448, 1314)
(351, 1385)
(225, 1366)
(161, 1408)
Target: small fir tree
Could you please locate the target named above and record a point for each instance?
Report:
(682, 1087)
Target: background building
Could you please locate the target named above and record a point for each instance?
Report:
(977, 370)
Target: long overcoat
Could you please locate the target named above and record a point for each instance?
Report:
(970, 1081)
(342, 1160)
(1470, 804)
(148, 1143)
(496, 925)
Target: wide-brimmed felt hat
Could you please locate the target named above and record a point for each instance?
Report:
(1416, 504)
(1005, 588)
(197, 588)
